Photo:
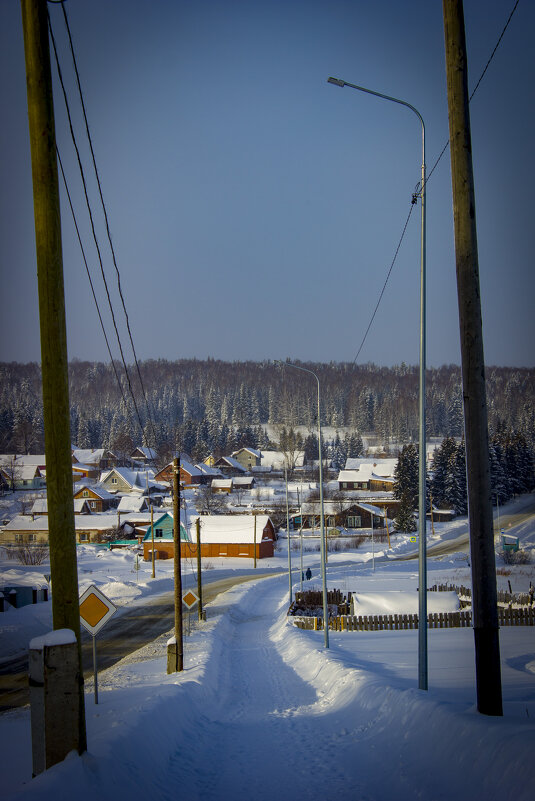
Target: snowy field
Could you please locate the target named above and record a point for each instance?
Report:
(262, 708)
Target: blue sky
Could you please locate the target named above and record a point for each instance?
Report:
(255, 209)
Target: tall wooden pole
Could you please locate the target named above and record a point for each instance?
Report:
(178, 568)
(484, 592)
(54, 363)
(199, 567)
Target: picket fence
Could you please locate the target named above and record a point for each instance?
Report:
(504, 598)
(436, 620)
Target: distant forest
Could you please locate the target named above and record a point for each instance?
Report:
(204, 406)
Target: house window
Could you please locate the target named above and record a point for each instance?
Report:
(19, 538)
(114, 481)
(93, 504)
(344, 484)
(31, 538)
(354, 521)
(85, 494)
(331, 521)
(158, 532)
(83, 537)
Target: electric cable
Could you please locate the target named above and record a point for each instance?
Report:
(95, 238)
(88, 272)
(112, 249)
(414, 196)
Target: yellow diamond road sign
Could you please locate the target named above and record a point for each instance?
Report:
(95, 610)
(190, 598)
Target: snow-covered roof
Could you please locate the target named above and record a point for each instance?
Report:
(276, 459)
(97, 489)
(131, 503)
(136, 479)
(234, 463)
(243, 481)
(206, 470)
(222, 483)
(88, 456)
(83, 522)
(253, 451)
(147, 453)
(230, 528)
(368, 465)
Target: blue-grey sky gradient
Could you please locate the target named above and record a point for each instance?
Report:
(254, 208)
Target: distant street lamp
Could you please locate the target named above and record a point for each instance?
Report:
(323, 548)
(422, 577)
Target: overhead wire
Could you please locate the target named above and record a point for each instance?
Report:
(112, 249)
(98, 249)
(92, 222)
(73, 213)
(431, 171)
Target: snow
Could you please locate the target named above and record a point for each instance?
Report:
(262, 709)
(54, 637)
(398, 602)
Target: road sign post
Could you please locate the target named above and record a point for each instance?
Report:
(95, 611)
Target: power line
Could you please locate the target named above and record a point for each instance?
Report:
(89, 274)
(88, 204)
(106, 219)
(427, 181)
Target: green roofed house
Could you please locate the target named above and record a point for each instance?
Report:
(164, 547)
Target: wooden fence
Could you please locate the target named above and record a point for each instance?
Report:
(504, 598)
(436, 620)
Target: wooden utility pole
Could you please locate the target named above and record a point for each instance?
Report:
(484, 592)
(179, 645)
(54, 363)
(199, 567)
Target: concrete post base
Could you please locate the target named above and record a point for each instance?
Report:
(54, 698)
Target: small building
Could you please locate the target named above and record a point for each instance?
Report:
(244, 483)
(230, 467)
(221, 535)
(97, 459)
(99, 499)
(248, 457)
(81, 506)
(164, 546)
(222, 485)
(190, 475)
(121, 479)
(143, 456)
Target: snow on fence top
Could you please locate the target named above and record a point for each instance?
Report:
(401, 603)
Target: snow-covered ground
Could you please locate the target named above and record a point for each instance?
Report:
(262, 708)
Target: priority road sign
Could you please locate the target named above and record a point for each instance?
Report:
(95, 610)
(190, 598)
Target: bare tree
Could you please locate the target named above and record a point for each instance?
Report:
(208, 502)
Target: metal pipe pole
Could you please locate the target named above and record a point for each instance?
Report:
(288, 533)
(323, 548)
(422, 567)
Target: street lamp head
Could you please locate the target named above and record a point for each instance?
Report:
(336, 81)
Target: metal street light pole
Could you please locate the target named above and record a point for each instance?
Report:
(422, 577)
(323, 549)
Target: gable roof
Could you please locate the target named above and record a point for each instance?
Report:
(231, 528)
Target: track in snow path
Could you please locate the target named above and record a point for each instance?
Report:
(265, 735)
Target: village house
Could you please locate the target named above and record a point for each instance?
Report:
(121, 479)
(40, 507)
(230, 467)
(143, 456)
(221, 535)
(190, 475)
(248, 457)
(354, 515)
(99, 499)
(89, 528)
(97, 459)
